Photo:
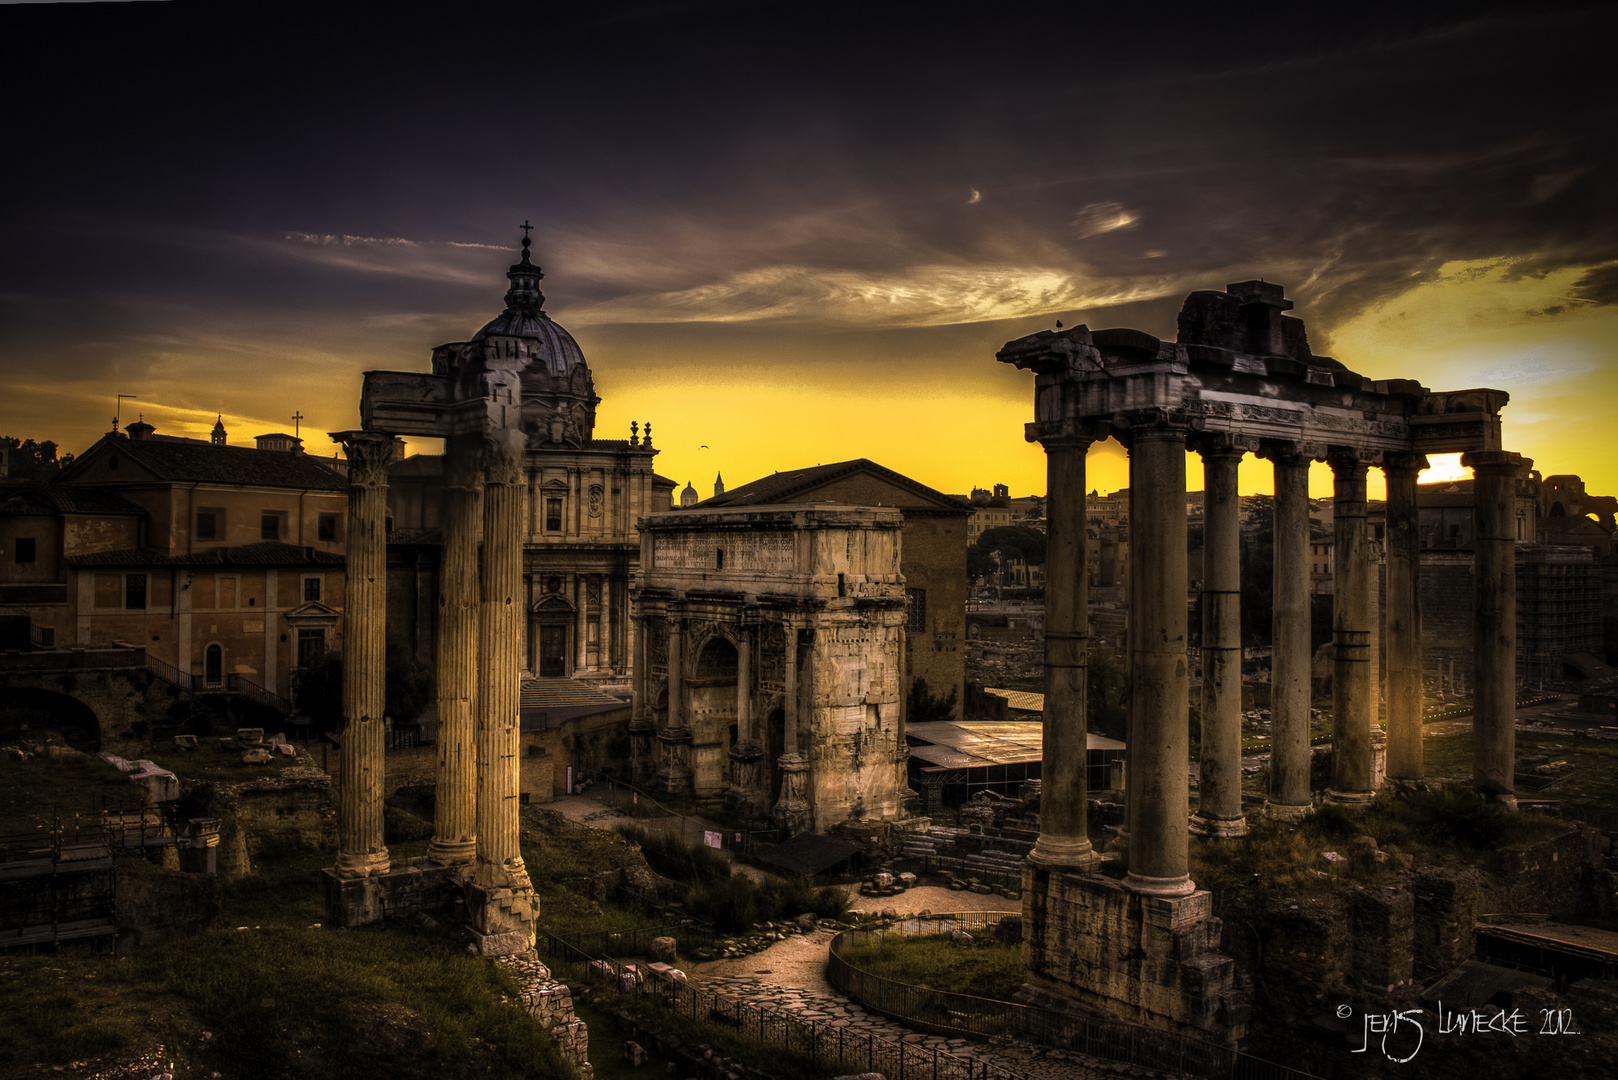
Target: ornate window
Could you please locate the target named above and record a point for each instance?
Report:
(917, 621)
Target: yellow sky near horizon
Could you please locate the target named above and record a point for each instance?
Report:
(929, 403)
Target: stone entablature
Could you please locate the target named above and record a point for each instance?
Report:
(772, 667)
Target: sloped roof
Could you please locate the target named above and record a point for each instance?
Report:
(265, 553)
(548, 702)
(199, 462)
(36, 498)
(793, 485)
(960, 744)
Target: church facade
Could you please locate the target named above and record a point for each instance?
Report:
(584, 496)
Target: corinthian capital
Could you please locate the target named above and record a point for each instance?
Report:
(369, 454)
(502, 456)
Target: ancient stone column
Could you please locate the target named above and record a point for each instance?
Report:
(360, 847)
(792, 808)
(1219, 807)
(676, 672)
(1351, 633)
(744, 680)
(580, 632)
(642, 728)
(499, 857)
(1290, 653)
(1063, 830)
(1404, 617)
(1159, 714)
(459, 602)
(1494, 640)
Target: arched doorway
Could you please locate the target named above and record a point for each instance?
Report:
(213, 665)
(711, 714)
(41, 711)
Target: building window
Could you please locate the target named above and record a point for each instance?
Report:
(210, 524)
(311, 646)
(25, 549)
(328, 528)
(553, 515)
(719, 558)
(917, 622)
(311, 590)
(213, 665)
(269, 527)
(135, 592)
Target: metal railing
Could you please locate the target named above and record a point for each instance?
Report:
(945, 1012)
(823, 1044)
(225, 684)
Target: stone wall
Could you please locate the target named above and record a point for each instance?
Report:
(293, 810)
(1146, 959)
(156, 903)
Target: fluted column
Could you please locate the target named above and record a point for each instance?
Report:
(581, 606)
(792, 808)
(1404, 617)
(360, 847)
(1494, 640)
(1219, 805)
(1063, 829)
(744, 680)
(1352, 706)
(455, 809)
(1159, 714)
(1290, 653)
(499, 857)
(676, 672)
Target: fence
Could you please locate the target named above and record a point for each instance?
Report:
(962, 1014)
(629, 799)
(822, 1044)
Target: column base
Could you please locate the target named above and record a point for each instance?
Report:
(1349, 799)
(362, 863)
(1168, 887)
(1288, 813)
(501, 918)
(1218, 828)
(1064, 853)
(1169, 976)
(452, 852)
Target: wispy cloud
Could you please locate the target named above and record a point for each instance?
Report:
(931, 295)
(1103, 217)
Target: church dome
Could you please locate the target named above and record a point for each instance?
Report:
(558, 389)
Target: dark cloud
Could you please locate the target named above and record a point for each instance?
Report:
(1599, 286)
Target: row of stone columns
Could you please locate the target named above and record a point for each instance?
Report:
(1158, 731)
(479, 660)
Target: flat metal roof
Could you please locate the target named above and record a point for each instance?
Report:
(968, 744)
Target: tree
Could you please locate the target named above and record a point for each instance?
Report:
(1106, 694)
(923, 707)
(33, 461)
(317, 689)
(1011, 541)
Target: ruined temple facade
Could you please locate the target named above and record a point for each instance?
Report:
(519, 383)
(1240, 378)
(772, 662)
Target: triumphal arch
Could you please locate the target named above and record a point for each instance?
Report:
(1239, 379)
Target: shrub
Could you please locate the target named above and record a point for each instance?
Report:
(673, 857)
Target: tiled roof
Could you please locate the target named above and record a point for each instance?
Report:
(788, 486)
(809, 853)
(206, 463)
(37, 498)
(266, 553)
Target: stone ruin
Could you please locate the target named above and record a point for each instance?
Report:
(1239, 379)
(473, 399)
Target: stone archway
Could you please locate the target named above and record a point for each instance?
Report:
(711, 713)
(44, 710)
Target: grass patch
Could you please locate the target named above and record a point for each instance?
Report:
(986, 969)
(356, 1002)
(36, 792)
(673, 857)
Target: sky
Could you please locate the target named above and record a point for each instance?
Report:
(797, 234)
